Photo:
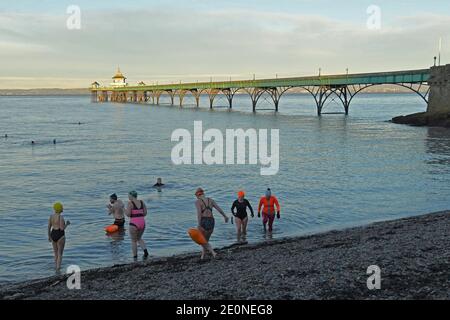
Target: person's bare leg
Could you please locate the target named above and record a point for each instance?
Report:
(134, 248)
(208, 245)
(55, 253)
(211, 250)
(244, 228)
(142, 244)
(61, 244)
(134, 239)
(203, 252)
(238, 228)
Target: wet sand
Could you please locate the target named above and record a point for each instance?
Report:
(413, 254)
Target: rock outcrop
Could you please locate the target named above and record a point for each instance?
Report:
(438, 111)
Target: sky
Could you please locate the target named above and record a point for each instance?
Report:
(169, 41)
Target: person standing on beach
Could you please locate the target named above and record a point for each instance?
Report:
(240, 205)
(268, 204)
(117, 209)
(205, 218)
(137, 211)
(56, 233)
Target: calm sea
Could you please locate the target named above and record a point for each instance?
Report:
(335, 171)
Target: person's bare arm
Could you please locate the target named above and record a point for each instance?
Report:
(62, 224)
(128, 209)
(49, 228)
(144, 207)
(216, 206)
(110, 208)
(199, 212)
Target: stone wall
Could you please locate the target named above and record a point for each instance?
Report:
(439, 102)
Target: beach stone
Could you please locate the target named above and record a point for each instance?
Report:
(414, 264)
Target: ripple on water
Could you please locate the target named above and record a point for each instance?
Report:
(335, 172)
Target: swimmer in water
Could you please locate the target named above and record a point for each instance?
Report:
(6, 136)
(205, 218)
(268, 204)
(117, 209)
(56, 233)
(159, 183)
(33, 143)
(54, 141)
(241, 205)
(137, 211)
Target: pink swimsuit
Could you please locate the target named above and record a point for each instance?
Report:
(137, 217)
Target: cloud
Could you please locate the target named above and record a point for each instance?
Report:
(158, 44)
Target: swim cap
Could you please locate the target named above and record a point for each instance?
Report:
(58, 207)
(268, 193)
(241, 194)
(133, 193)
(113, 196)
(199, 192)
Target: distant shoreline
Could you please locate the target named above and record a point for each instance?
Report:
(43, 92)
(382, 89)
(412, 254)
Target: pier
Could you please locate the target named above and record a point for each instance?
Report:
(343, 86)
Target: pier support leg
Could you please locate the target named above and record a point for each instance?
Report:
(344, 96)
(181, 95)
(229, 94)
(255, 94)
(320, 95)
(275, 94)
(145, 97)
(196, 95)
(157, 95)
(94, 97)
(321, 99)
(172, 96)
(212, 93)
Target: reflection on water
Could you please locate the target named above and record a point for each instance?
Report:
(438, 145)
(335, 171)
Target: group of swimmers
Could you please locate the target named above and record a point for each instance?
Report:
(136, 211)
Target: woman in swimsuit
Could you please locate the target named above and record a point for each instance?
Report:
(56, 233)
(205, 218)
(241, 216)
(137, 211)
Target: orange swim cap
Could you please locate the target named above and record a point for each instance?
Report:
(241, 194)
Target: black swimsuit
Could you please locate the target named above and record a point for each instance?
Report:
(57, 234)
(241, 209)
(207, 223)
(119, 222)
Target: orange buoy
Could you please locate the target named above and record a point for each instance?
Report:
(112, 229)
(197, 236)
